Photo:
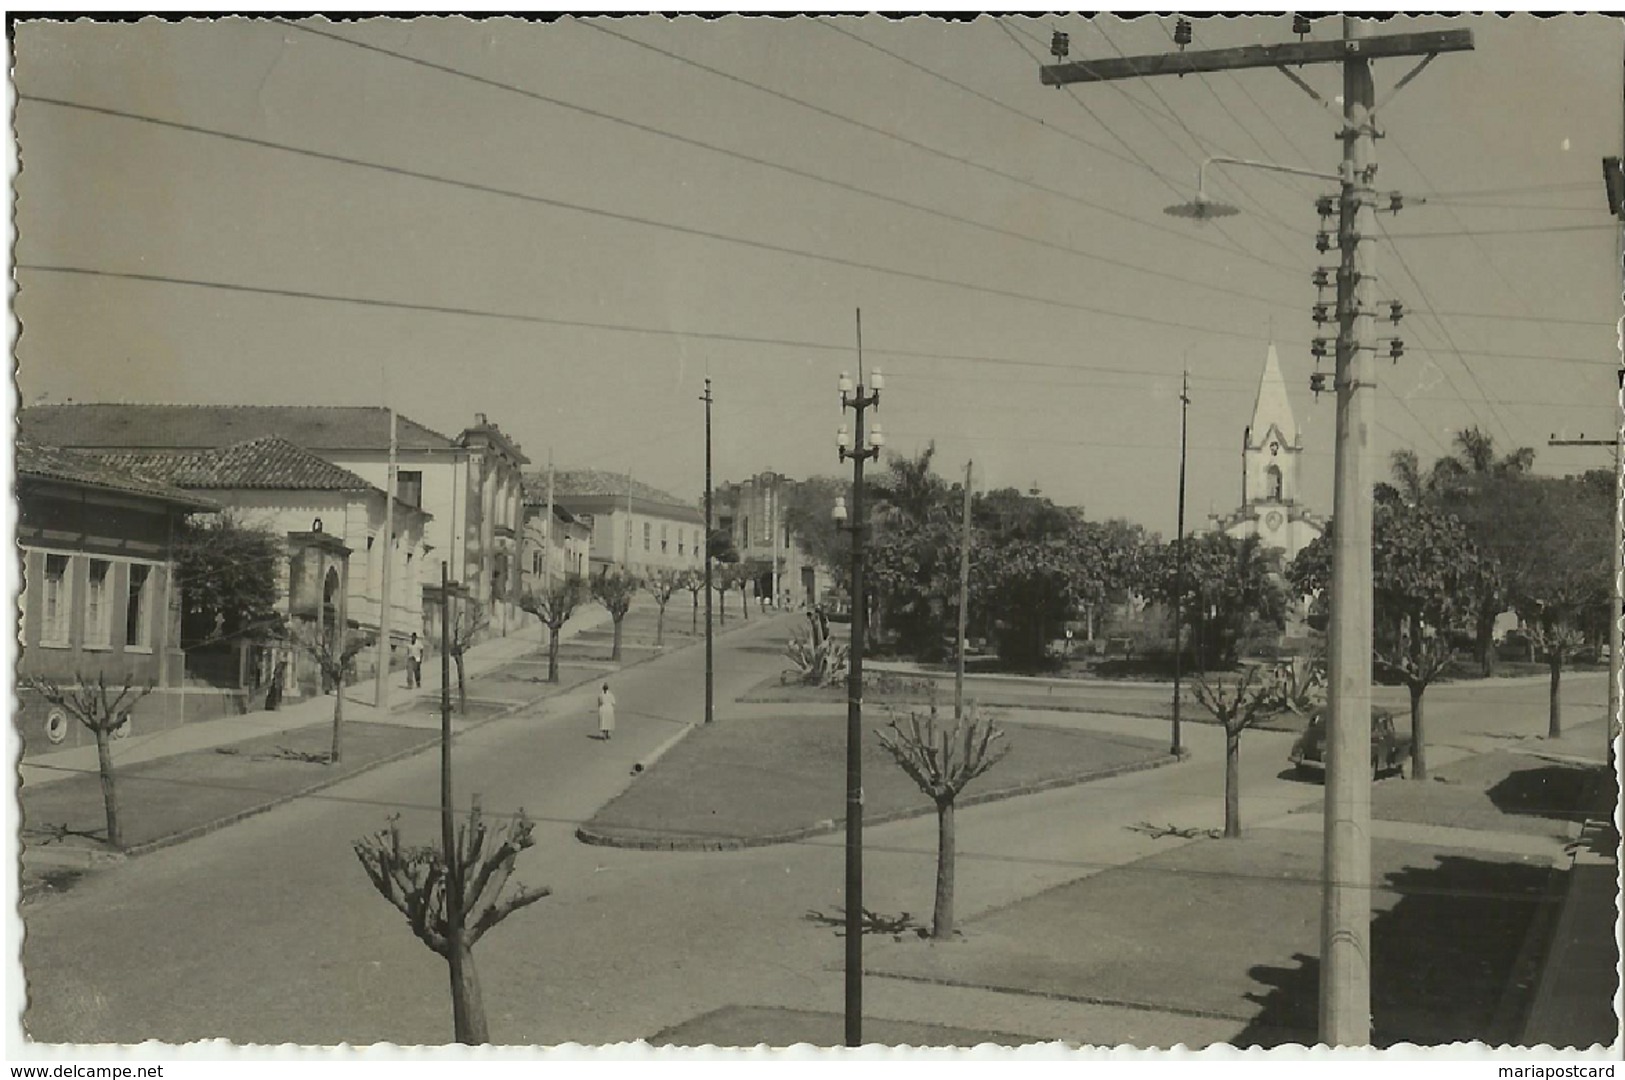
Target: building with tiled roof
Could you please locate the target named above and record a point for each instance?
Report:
(100, 598)
(142, 426)
(36, 462)
(270, 483)
(633, 524)
(470, 485)
(267, 463)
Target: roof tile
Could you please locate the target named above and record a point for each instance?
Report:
(133, 426)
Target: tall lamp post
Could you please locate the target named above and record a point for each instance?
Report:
(1179, 558)
(858, 451)
(705, 551)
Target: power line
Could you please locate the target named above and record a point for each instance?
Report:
(1483, 252)
(1427, 304)
(613, 215)
(832, 24)
(1528, 189)
(922, 147)
(1604, 227)
(766, 163)
(627, 328)
(1168, 113)
(1501, 316)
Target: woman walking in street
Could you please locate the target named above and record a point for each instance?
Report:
(606, 713)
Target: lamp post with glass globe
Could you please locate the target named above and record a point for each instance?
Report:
(858, 450)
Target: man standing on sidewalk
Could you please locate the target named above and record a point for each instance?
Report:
(414, 664)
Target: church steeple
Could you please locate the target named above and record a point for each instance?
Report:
(1272, 408)
(1270, 453)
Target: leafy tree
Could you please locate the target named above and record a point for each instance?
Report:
(807, 508)
(554, 605)
(465, 628)
(615, 591)
(1025, 588)
(1237, 704)
(720, 546)
(452, 898)
(661, 584)
(1481, 490)
(942, 760)
(1426, 573)
(1234, 578)
(104, 709)
(1571, 527)
(227, 573)
(913, 568)
(334, 654)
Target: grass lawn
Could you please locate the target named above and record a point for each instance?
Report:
(891, 688)
(1231, 929)
(160, 798)
(755, 780)
(755, 1025)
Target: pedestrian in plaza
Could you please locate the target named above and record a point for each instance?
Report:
(606, 713)
(414, 663)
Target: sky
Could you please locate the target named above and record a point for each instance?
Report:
(568, 225)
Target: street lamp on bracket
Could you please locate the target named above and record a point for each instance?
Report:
(1205, 208)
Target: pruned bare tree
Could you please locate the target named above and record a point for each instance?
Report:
(942, 760)
(451, 904)
(1238, 704)
(334, 655)
(554, 605)
(615, 591)
(466, 626)
(103, 708)
(661, 584)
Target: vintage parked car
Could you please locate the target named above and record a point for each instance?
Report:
(1389, 749)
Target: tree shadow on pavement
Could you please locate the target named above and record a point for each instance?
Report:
(1557, 791)
(1448, 959)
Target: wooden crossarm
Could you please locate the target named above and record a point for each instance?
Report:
(1253, 56)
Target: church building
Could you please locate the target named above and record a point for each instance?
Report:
(1271, 455)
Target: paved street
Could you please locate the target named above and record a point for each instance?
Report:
(204, 939)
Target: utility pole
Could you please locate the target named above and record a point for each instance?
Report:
(387, 545)
(1345, 971)
(857, 451)
(626, 548)
(448, 832)
(547, 528)
(1179, 555)
(705, 553)
(964, 601)
(1345, 929)
(1613, 170)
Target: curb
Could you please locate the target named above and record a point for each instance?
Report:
(1062, 707)
(588, 835)
(643, 764)
(1061, 995)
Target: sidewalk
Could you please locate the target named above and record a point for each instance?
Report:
(1576, 995)
(210, 734)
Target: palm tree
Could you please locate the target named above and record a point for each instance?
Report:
(1472, 485)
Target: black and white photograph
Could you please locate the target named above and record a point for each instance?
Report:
(812, 529)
